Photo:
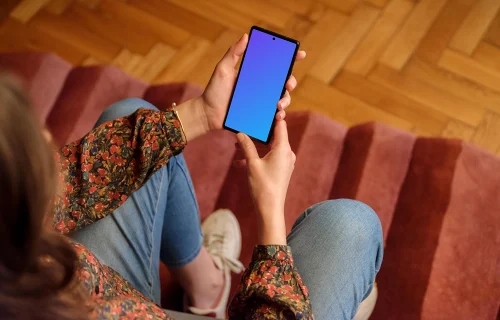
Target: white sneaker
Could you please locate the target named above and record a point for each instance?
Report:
(223, 243)
(366, 307)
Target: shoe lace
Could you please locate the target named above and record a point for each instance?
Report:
(214, 243)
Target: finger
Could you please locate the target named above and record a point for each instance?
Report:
(233, 55)
(291, 83)
(301, 55)
(280, 134)
(248, 147)
(285, 101)
(241, 163)
(259, 146)
(280, 115)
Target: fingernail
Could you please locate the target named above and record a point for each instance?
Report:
(281, 116)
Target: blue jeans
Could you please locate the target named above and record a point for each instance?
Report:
(337, 244)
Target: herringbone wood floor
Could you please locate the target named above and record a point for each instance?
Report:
(428, 66)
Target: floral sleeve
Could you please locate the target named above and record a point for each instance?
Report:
(271, 288)
(111, 296)
(98, 172)
(127, 308)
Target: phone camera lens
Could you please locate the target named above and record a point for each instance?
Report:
(274, 38)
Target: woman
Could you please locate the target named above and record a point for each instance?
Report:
(124, 196)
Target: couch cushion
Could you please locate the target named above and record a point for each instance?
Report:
(464, 282)
(441, 258)
(373, 167)
(318, 143)
(86, 93)
(43, 74)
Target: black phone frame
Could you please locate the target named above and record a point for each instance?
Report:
(297, 45)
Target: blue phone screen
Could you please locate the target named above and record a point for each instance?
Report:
(262, 77)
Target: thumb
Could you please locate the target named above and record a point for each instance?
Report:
(248, 146)
(232, 56)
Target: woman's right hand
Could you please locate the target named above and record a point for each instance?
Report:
(269, 178)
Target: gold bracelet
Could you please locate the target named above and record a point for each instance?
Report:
(180, 121)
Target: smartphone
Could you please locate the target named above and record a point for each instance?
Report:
(266, 66)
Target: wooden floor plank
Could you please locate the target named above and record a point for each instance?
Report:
(6, 8)
(297, 28)
(127, 61)
(378, 3)
(91, 61)
(202, 72)
(90, 4)
(16, 36)
(302, 7)
(219, 14)
(274, 15)
(184, 61)
(109, 25)
(367, 60)
(58, 7)
(136, 22)
(486, 135)
(443, 29)
(345, 6)
(301, 103)
(65, 30)
(323, 32)
(317, 11)
(412, 32)
(428, 121)
(371, 48)
(453, 84)
(444, 102)
(335, 54)
(182, 18)
(26, 9)
(351, 109)
(493, 35)
(488, 54)
(470, 69)
(472, 30)
(154, 62)
(458, 130)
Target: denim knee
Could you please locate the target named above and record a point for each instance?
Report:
(345, 220)
(131, 105)
(123, 108)
(356, 219)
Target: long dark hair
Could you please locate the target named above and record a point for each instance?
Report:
(37, 266)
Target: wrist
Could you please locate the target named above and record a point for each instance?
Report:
(193, 118)
(272, 228)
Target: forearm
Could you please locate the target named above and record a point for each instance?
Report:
(99, 171)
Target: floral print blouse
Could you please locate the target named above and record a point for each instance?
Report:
(96, 175)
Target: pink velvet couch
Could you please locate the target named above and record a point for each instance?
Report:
(438, 200)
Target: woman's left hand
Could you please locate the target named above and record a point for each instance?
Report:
(218, 92)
